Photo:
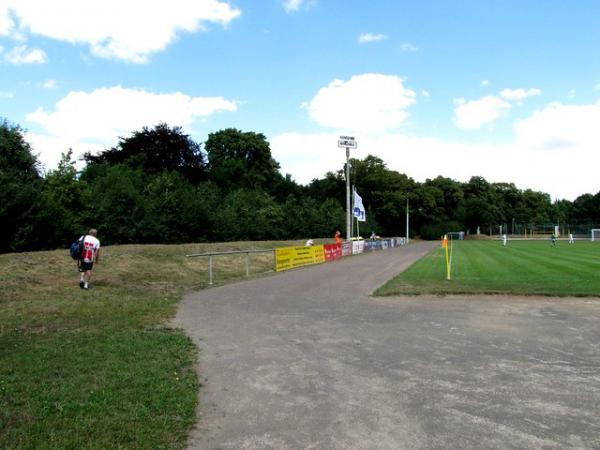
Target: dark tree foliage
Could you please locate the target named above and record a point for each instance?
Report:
(586, 209)
(249, 215)
(69, 197)
(384, 193)
(333, 186)
(21, 205)
(155, 150)
(242, 160)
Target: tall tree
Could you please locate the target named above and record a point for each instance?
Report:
(239, 159)
(155, 150)
(68, 194)
(20, 197)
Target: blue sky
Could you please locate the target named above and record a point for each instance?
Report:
(509, 90)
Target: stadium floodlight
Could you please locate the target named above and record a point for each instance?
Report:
(595, 233)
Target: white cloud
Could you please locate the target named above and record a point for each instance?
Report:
(291, 6)
(49, 84)
(7, 94)
(370, 102)
(572, 93)
(485, 82)
(597, 87)
(22, 55)
(113, 28)
(94, 120)
(6, 23)
(407, 47)
(475, 113)
(366, 38)
(425, 93)
(563, 128)
(519, 94)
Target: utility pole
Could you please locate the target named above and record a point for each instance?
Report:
(348, 205)
(348, 142)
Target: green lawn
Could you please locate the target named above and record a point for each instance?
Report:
(101, 369)
(522, 267)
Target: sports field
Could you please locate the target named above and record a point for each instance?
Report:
(520, 268)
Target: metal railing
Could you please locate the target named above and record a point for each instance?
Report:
(237, 252)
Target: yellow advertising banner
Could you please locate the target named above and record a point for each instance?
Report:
(291, 257)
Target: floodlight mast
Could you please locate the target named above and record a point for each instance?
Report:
(347, 142)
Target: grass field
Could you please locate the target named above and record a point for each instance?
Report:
(101, 369)
(520, 268)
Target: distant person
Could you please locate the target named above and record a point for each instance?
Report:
(310, 243)
(571, 238)
(553, 239)
(504, 239)
(373, 235)
(338, 239)
(90, 257)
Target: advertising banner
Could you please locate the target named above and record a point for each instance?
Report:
(346, 248)
(358, 247)
(291, 257)
(332, 251)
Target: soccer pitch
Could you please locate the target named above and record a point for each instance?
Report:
(520, 268)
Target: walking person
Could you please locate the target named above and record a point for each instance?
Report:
(571, 238)
(89, 257)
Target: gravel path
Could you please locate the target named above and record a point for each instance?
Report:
(308, 360)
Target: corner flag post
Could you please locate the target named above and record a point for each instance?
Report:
(445, 246)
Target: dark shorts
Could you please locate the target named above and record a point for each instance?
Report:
(84, 266)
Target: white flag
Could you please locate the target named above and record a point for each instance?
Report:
(359, 210)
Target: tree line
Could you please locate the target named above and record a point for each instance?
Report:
(159, 186)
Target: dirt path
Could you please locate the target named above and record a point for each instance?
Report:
(307, 360)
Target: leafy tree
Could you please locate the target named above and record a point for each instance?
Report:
(20, 196)
(586, 208)
(482, 204)
(118, 203)
(63, 189)
(333, 186)
(249, 215)
(562, 211)
(176, 211)
(536, 207)
(384, 193)
(156, 150)
(239, 159)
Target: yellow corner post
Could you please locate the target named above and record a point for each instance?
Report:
(445, 246)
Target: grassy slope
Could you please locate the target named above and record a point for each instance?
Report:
(523, 267)
(100, 368)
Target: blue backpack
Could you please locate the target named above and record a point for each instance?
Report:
(76, 249)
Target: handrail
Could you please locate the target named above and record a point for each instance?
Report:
(235, 252)
(229, 253)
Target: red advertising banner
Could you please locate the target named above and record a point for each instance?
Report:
(332, 251)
